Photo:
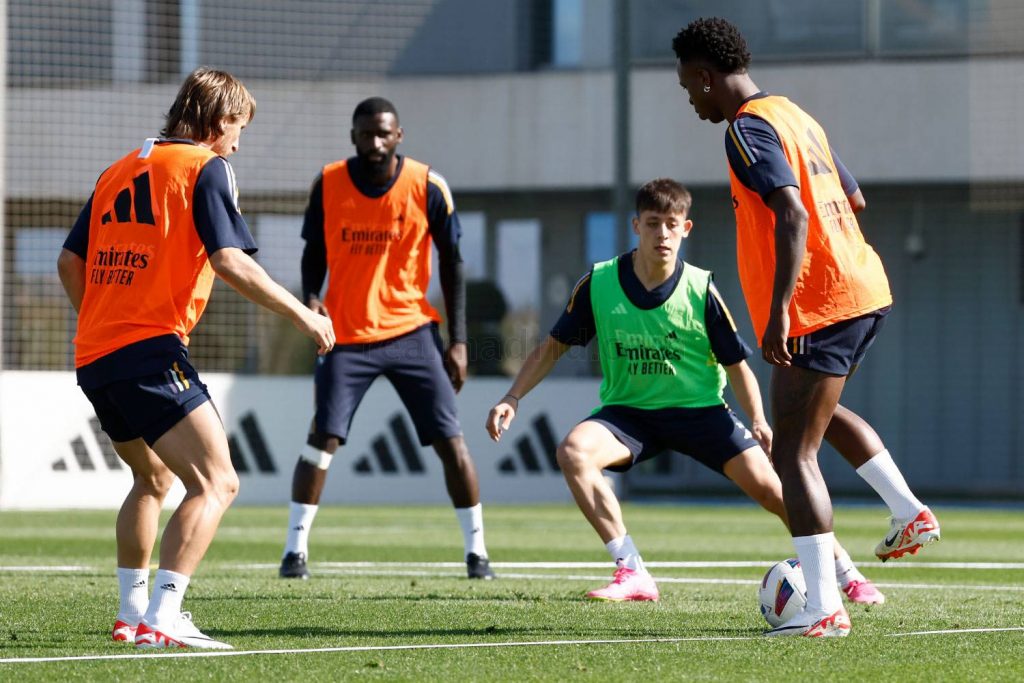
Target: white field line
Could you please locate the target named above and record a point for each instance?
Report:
(660, 579)
(438, 646)
(49, 568)
(730, 564)
(959, 630)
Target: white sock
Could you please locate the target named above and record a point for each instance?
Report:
(134, 585)
(625, 554)
(816, 560)
(846, 572)
(885, 478)
(300, 521)
(472, 522)
(168, 592)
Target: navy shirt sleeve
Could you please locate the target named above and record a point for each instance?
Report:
(446, 231)
(215, 209)
(846, 178)
(576, 326)
(726, 343)
(756, 156)
(314, 255)
(78, 239)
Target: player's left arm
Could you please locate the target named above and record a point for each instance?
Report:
(71, 261)
(748, 393)
(849, 183)
(731, 351)
(446, 230)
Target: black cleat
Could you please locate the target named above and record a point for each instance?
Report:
(293, 566)
(478, 567)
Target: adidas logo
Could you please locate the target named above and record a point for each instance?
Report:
(169, 587)
(253, 436)
(620, 309)
(525, 457)
(139, 584)
(132, 204)
(301, 527)
(84, 460)
(672, 335)
(383, 457)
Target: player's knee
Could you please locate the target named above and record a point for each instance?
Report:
(572, 455)
(224, 487)
(451, 448)
(156, 483)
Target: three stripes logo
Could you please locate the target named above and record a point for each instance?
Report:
(108, 456)
(138, 197)
(251, 433)
(253, 436)
(382, 459)
(525, 458)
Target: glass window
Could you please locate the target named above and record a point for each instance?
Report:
(567, 36)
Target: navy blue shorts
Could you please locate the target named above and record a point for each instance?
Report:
(837, 349)
(414, 366)
(712, 436)
(148, 406)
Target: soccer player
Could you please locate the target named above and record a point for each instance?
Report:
(138, 267)
(817, 295)
(664, 335)
(370, 223)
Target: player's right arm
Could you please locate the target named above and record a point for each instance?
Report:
(791, 220)
(314, 254)
(71, 262)
(537, 366)
(575, 327)
(249, 279)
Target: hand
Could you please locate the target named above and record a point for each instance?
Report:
(773, 343)
(455, 364)
(762, 433)
(314, 304)
(501, 416)
(317, 327)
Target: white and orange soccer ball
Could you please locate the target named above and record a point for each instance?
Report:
(783, 591)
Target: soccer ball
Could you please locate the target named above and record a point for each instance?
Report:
(783, 592)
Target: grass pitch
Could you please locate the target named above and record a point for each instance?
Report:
(388, 600)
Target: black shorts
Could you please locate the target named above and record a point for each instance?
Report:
(148, 406)
(837, 349)
(712, 436)
(414, 366)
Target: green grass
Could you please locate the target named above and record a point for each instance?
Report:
(51, 614)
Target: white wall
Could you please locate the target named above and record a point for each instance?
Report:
(43, 415)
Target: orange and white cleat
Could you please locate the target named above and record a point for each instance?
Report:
(908, 536)
(123, 632)
(627, 585)
(835, 625)
(182, 633)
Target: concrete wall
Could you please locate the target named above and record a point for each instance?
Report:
(890, 122)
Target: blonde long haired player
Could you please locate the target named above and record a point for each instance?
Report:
(138, 267)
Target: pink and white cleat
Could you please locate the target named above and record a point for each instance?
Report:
(627, 585)
(863, 593)
(123, 632)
